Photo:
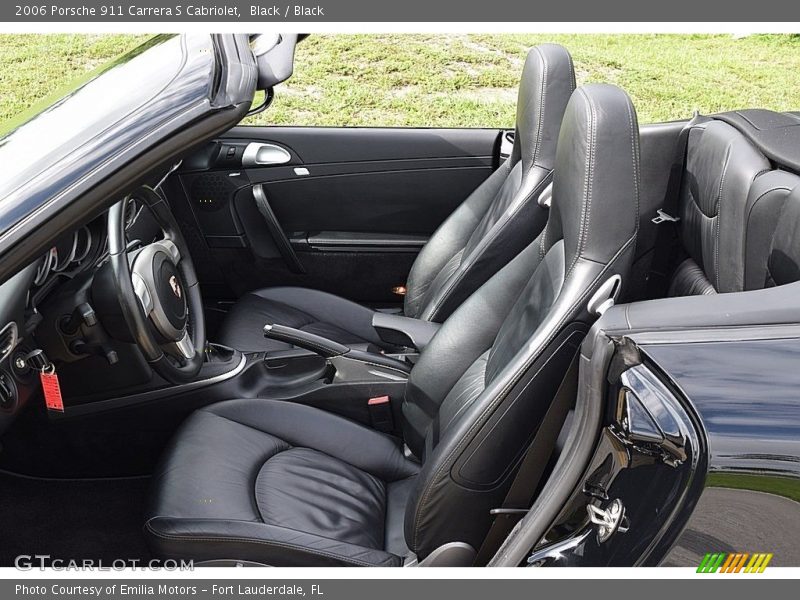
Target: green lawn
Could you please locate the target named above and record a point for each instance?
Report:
(769, 484)
(455, 80)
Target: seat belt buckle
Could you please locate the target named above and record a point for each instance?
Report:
(661, 217)
(380, 413)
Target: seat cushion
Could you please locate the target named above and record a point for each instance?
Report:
(309, 310)
(280, 484)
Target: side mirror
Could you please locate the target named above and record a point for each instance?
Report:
(274, 54)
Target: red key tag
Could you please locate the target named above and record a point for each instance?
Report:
(52, 390)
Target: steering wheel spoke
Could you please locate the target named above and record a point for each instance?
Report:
(158, 292)
(170, 248)
(145, 298)
(183, 348)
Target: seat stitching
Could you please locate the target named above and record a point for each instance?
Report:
(587, 178)
(379, 480)
(540, 116)
(493, 234)
(718, 214)
(514, 380)
(635, 158)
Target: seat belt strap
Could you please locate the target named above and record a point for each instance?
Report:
(520, 495)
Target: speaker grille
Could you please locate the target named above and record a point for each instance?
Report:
(211, 191)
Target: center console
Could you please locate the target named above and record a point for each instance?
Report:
(360, 384)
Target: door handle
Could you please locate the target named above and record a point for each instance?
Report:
(258, 154)
(281, 241)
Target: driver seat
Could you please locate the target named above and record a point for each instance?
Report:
(285, 484)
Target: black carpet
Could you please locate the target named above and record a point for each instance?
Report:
(97, 519)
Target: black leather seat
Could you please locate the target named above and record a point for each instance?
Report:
(284, 484)
(737, 216)
(500, 218)
(721, 166)
(772, 249)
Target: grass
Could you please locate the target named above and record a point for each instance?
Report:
(769, 484)
(455, 80)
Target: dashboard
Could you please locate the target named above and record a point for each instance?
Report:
(42, 308)
(82, 250)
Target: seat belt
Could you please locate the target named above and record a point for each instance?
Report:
(519, 498)
(660, 254)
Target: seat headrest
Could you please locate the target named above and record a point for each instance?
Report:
(548, 80)
(596, 181)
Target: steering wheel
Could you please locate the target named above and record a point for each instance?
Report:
(158, 291)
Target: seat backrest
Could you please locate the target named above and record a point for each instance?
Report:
(772, 242)
(721, 166)
(502, 216)
(481, 387)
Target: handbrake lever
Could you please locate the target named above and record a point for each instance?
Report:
(302, 339)
(331, 350)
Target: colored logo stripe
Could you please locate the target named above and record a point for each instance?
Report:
(734, 563)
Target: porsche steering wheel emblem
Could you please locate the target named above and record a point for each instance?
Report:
(176, 287)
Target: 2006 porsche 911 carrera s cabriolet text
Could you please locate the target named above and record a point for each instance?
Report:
(574, 342)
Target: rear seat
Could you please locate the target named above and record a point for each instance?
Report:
(739, 220)
(772, 219)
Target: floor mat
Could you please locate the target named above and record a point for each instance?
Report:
(98, 519)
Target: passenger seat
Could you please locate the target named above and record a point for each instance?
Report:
(500, 218)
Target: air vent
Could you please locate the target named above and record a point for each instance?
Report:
(8, 339)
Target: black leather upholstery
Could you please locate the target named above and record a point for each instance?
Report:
(770, 213)
(309, 310)
(737, 215)
(721, 165)
(783, 262)
(500, 218)
(285, 484)
(489, 374)
(281, 484)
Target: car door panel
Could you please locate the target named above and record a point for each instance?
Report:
(354, 204)
(694, 421)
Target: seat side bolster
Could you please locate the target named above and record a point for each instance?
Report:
(505, 236)
(450, 238)
(212, 539)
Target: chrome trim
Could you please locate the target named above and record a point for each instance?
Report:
(557, 550)
(174, 390)
(9, 348)
(606, 296)
(185, 346)
(141, 291)
(170, 248)
(146, 288)
(260, 154)
(546, 197)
